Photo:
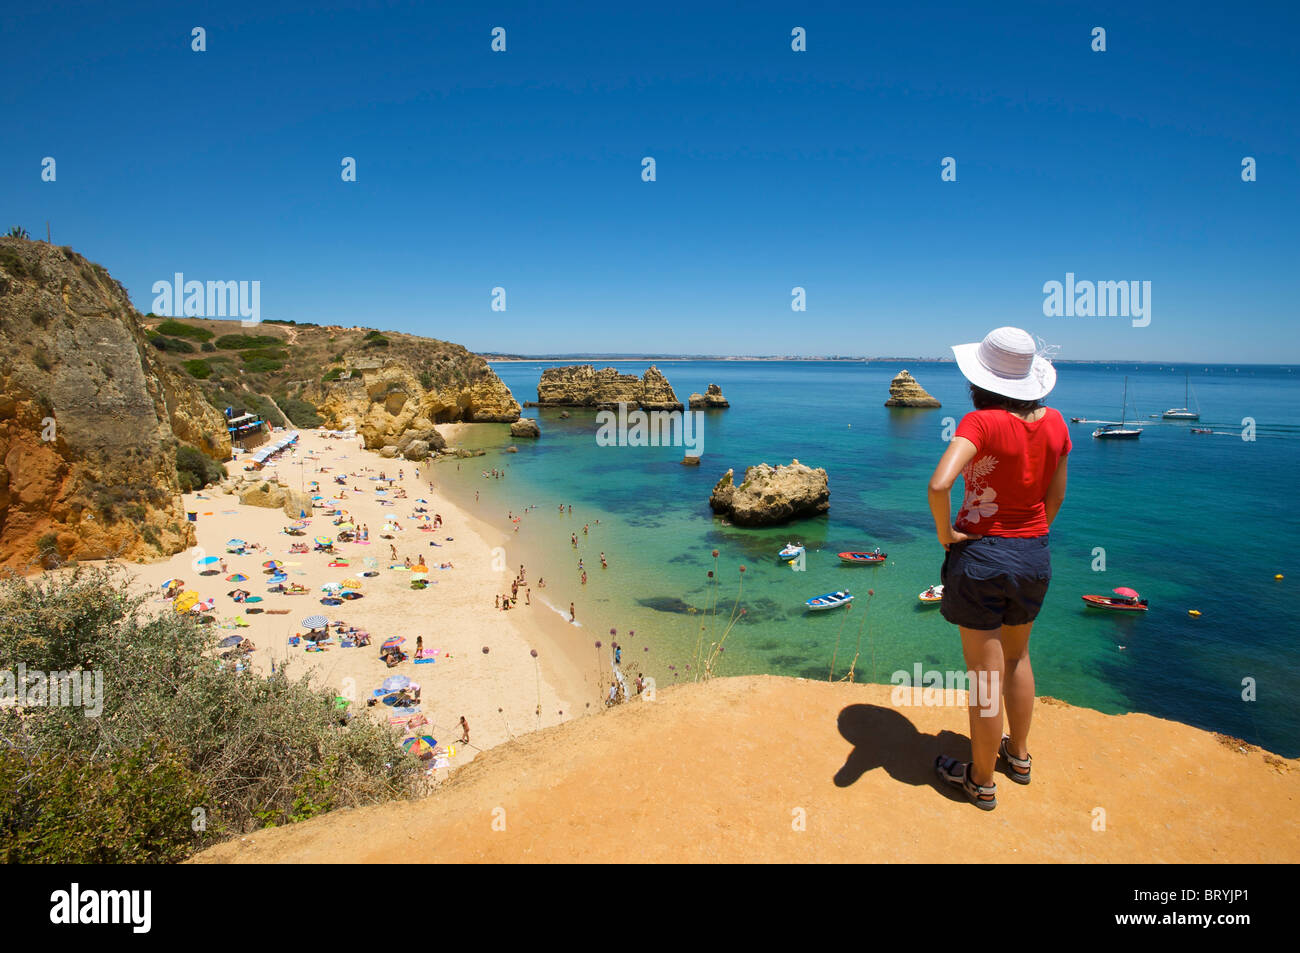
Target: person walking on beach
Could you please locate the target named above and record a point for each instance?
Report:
(464, 729)
(572, 616)
(1011, 452)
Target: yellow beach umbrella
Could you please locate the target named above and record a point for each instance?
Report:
(351, 583)
(186, 601)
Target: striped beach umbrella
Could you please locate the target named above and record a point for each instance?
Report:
(272, 564)
(324, 540)
(236, 577)
(172, 582)
(351, 583)
(421, 747)
(314, 622)
(331, 587)
(393, 643)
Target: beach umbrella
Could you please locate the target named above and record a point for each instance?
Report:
(208, 560)
(314, 622)
(236, 543)
(301, 524)
(417, 576)
(351, 583)
(419, 567)
(324, 541)
(237, 577)
(186, 601)
(347, 526)
(395, 683)
(421, 747)
(331, 587)
(172, 582)
(230, 640)
(278, 577)
(1125, 592)
(393, 643)
(372, 562)
(272, 564)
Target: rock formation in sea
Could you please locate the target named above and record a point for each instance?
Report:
(90, 417)
(385, 401)
(581, 385)
(525, 427)
(904, 391)
(770, 494)
(691, 461)
(711, 399)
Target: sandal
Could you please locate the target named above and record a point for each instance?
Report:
(1017, 769)
(958, 773)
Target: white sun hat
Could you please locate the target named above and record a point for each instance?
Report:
(1007, 362)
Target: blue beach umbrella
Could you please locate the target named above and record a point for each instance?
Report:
(208, 560)
(230, 640)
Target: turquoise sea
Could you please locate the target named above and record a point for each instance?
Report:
(1190, 521)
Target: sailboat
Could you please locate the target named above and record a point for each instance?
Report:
(1183, 413)
(1119, 431)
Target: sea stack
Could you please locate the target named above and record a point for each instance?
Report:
(711, 399)
(525, 427)
(771, 495)
(581, 385)
(904, 391)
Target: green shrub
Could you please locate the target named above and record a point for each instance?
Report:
(332, 374)
(198, 368)
(301, 413)
(207, 346)
(238, 342)
(179, 329)
(176, 732)
(261, 365)
(375, 339)
(201, 469)
(173, 345)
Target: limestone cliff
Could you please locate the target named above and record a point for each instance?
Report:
(904, 391)
(89, 417)
(770, 494)
(581, 385)
(385, 401)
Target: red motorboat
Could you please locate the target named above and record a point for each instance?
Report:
(1124, 600)
(863, 558)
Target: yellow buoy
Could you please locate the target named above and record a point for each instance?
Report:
(1193, 611)
(1278, 576)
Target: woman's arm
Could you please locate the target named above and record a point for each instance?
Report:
(959, 453)
(1055, 491)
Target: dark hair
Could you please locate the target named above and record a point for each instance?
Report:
(987, 400)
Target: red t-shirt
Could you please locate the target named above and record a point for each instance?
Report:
(1008, 477)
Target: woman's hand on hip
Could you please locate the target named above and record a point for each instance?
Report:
(957, 536)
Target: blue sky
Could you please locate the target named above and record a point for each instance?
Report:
(775, 169)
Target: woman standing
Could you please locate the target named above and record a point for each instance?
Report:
(1011, 452)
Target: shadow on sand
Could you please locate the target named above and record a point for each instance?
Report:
(884, 738)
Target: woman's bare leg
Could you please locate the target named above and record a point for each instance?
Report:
(1018, 686)
(982, 649)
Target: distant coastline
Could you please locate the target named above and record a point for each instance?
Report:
(493, 358)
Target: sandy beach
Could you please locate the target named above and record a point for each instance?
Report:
(484, 668)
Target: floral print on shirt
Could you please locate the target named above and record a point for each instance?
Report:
(980, 500)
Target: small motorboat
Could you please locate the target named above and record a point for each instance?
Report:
(876, 556)
(791, 552)
(1124, 600)
(829, 600)
(1077, 420)
(1202, 430)
(932, 596)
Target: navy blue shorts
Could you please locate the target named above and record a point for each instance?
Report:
(995, 581)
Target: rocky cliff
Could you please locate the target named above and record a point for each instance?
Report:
(387, 403)
(904, 391)
(711, 399)
(772, 494)
(581, 385)
(90, 418)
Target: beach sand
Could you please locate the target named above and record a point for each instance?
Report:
(501, 694)
(768, 769)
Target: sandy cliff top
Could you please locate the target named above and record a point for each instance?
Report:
(719, 772)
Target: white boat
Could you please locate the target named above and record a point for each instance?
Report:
(791, 552)
(931, 596)
(1119, 431)
(1183, 413)
(829, 600)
